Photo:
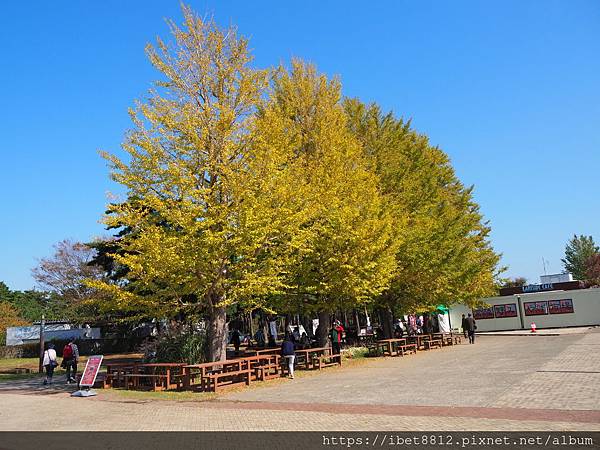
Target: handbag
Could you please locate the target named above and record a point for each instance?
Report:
(53, 362)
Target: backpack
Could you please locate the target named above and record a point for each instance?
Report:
(68, 352)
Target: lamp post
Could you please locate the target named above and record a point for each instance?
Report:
(41, 365)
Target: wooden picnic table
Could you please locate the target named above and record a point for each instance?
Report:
(115, 373)
(310, 355)
(162, 376)
(214, 375)
(446, 338)
(419, 340)
(262, 351)
(391, 345)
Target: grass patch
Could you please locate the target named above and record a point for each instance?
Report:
(13, 363)
(18, 376)
(354, 353)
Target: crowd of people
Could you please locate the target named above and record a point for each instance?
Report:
(293, 340)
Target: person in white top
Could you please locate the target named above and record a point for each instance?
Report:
(49, 362)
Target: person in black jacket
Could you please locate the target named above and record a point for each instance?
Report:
(464, 325)
(471, 327)
(287, 352)
(235, 340)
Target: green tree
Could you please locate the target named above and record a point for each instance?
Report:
(205, 228)
(30, 305)
(577, 253)
(444, 255)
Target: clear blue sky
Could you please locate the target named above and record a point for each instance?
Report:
(509, 89)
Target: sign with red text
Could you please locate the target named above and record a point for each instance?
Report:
(564, 306)
(535, 308)
(508, 310)
(92, 366)
(483, 313)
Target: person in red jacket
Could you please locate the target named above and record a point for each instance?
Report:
(336, 337)
(70, 359)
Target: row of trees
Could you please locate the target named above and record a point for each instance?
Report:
(24, 307)
(266, 189)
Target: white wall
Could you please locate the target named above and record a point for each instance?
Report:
(586, 311)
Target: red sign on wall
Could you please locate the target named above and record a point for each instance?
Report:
(535, 308)
(564, 306)
(508, 310)
(92, 366)
(483, 313)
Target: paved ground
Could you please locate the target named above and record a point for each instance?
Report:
(500, 383)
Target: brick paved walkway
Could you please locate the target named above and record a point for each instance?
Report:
(500, 383)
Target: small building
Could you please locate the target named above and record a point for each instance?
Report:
(52, 330)
(556, 278)
(549, 305)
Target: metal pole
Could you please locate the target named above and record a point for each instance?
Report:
(521, 312)
(41, 365)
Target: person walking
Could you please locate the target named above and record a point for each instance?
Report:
(464, 325)
(70, 359)
(288, 352)
(49, 362)
(235, 340)
(471, 327)
(259, 337)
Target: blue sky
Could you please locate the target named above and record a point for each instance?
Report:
(510, 90)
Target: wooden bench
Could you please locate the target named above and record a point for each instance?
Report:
(457, 339)
(216, 375)
(218, 380)
(327, 360)
(115, 375)
(377, 348)
(433, 343)
(265, 367)
(447, 341)
(158, 382)
(407, 349)
(308, 358)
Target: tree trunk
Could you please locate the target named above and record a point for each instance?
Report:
(308, 324)
(217, 334)
(356, 321)
(388, 323)
(322, 329)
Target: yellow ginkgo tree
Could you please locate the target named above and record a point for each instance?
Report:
(204, 224)
(342, 252)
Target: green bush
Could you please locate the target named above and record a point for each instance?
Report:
(178, 346)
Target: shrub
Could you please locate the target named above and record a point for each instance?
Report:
(10, 351)
(177, 345)
(355, 352)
